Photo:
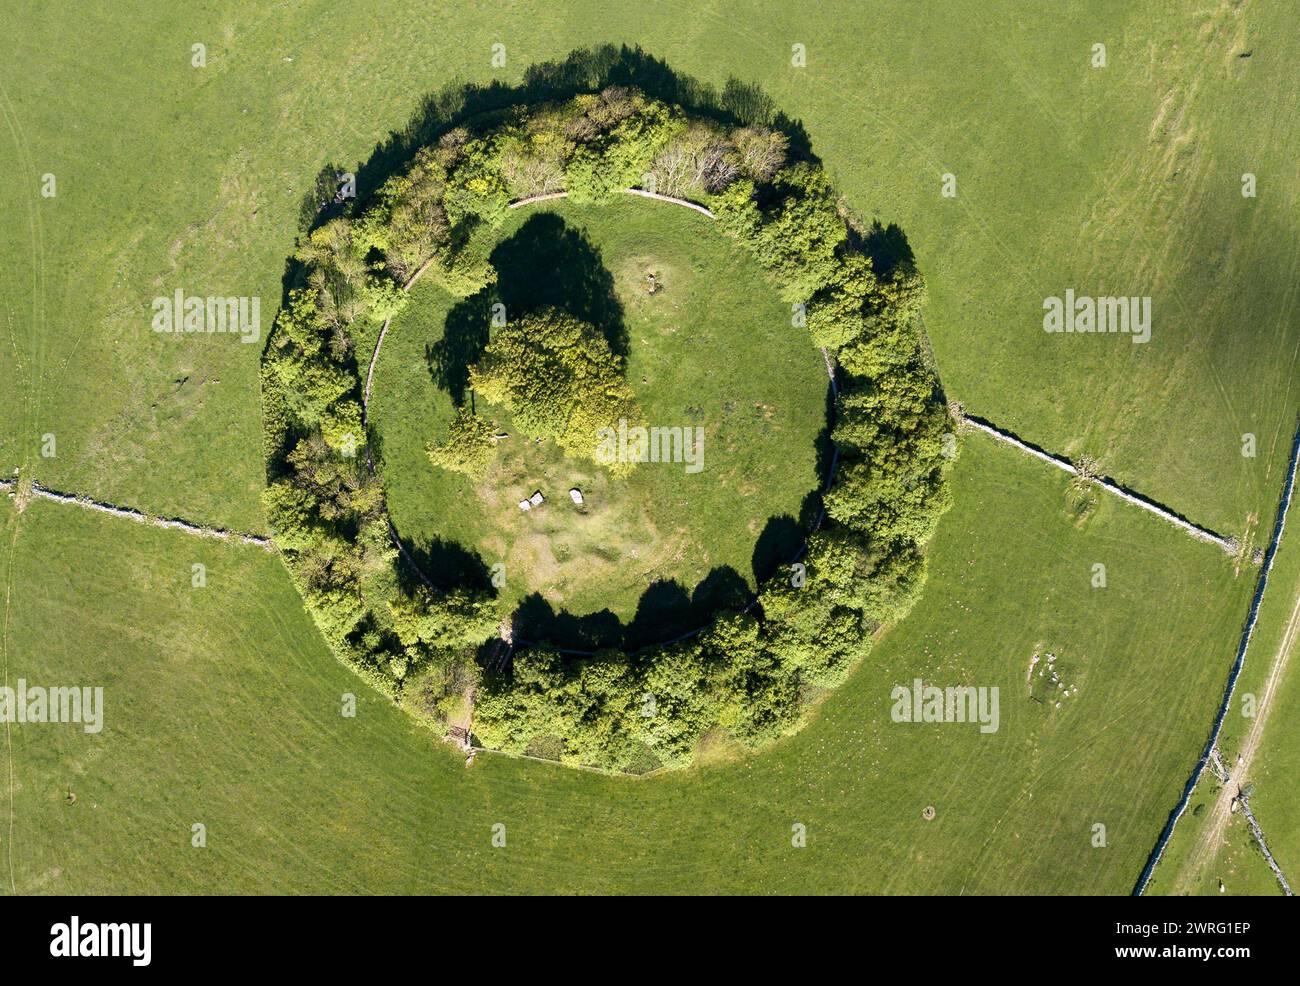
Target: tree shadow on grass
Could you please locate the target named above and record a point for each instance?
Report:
(664, 612)
(464, 337)
(781, 541)
(545, 264)
(536, 621)
(446, 565)
(549, 264)
(887, 247)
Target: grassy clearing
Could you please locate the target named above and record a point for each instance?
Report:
(712, 348)
(222, 707)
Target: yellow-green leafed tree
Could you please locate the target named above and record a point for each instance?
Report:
(468, 448)
(559, 379)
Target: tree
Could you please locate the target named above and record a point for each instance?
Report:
(426, 620)
(617, 134)
(761, 151)
(468, 448)
(801, 232)
(558, 378)
(835, 313)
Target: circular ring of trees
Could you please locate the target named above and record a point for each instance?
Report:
(750, 675)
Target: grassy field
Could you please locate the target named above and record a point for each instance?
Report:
(222, 707)
(1236, 860)
(223, 704)
(713, 348)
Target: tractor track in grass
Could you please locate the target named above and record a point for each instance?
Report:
(1252, 617)
(1211, 835)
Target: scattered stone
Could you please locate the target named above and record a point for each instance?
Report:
(525, 505)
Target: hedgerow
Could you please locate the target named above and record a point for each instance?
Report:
(751, 674)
